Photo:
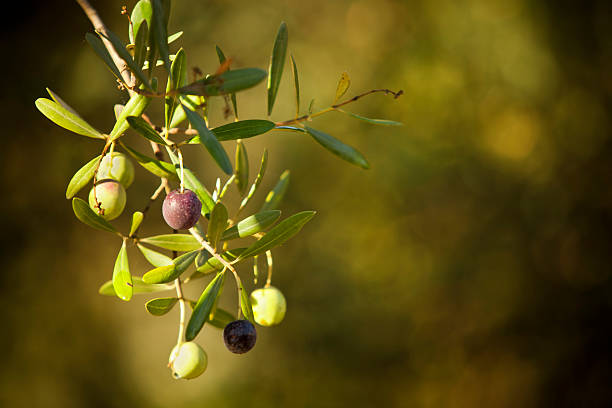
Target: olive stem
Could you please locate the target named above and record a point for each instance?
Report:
(269, 261)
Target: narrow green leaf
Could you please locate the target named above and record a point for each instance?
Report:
(140, 46)
(155, 258)
(137, 218)
(245, 303)
(383, 122)
(296, 82)
(176, 80)
(142, 12)
(122, 280)
(233, 95)
(125, 55)
(160, 306)
(217, 224)
(135, 107)
(168, 273)
(205, 263)
(251, 225)
(279, 234)
(338, 148)
(172, 38)
(57, 114)
(144, 129)
(209, 141)
(99, 48)
(242, 168)
(173, 242)
(276, 195)
(277, 62)
(194, 184)
(343, 86)
(81, 177)
(311, 106)
(243, 129)
(226, 83)
(139, 287)
(255, 185)
(193, 101)
(159, 26)
(221, 318)
(157, 167)
(201, 311)
(87, 216)
(62, 103)
(291, 128)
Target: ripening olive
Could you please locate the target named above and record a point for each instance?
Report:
(187, 360)
(269, 306)
(120, 168)
(239, 336)
(111, 195)
(181, 210)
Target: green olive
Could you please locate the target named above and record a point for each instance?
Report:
(118, 168)
(111, 195)
(269, 306)
(187, 360)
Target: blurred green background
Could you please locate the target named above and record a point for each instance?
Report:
(469, 267)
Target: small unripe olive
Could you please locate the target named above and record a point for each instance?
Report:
(239, 336)
(120, 168)
(269, 306)
(187, 360)
(181, 210)
(111, 195)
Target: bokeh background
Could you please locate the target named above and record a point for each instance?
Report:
(469, 267)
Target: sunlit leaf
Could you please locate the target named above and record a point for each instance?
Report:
(242, 168)
(279, 234)
(343, 86)
(137, 218)
(245, 303)
(62, 103)
(202, 309)
(87, 216)
(296, 83)
(172, 38)
(173, 242)
(144, 129)
(157, 167)
(193, 101)
(142, 12)
(155, 258)
(220, 318)
(66, 119)
(168, 273)
(251, 225)
(338, 148)
(222, 59)
(122, 280)
(81, 178)
(99, 48)
(139, 287)
(135, 107)
(277, 62)
(177, 80)
(276, 195)
(383, 122)
(160, 306)
(209, 141)
(217, 224)
(228, 82)
(206, 263)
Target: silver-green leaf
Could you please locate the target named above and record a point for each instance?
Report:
(277, 62)
(59, 115)
(81, 177)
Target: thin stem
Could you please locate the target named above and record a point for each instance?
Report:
(225, 263)
(180, 156)
(179, 294)
(269, 260)
(335, 106)
(99, 26)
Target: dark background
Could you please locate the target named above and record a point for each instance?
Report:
(469, 267)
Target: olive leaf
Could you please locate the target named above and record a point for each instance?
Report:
(202, 309)
(87, 216)
(160, 306)
(251, 225)
(122, 280)
(173, 242)
(338, 148)
(242, 168)
(61, 116)
(81, 177)
(343, 86)
(277, 62)
(276, 195)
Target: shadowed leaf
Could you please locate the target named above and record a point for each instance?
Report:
(338, 148)
(277, 62)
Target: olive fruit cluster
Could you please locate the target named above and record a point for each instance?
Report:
(115, 174)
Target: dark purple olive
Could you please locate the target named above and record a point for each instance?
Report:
(181, 210)
(239, 336)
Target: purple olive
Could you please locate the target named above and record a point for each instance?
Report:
(239, 336)
(181, 210)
